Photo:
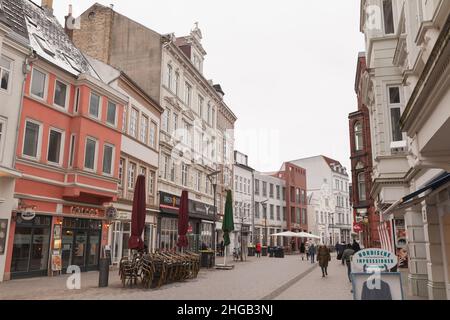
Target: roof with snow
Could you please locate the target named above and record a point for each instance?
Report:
(46, 36)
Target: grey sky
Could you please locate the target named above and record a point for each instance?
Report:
(287, 67)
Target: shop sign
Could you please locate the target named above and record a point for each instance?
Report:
(111, 213)
(28, 215)
(369, 258)
(357, 227)
(56, 261)
(169, 200)
(84, 211)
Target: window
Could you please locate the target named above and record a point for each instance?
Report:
(362, 187)
(5, 71)
(121, 170)
(134, 122)
(395, 113)
(240, 184)
(169, 76)
(165, 120)
(199, 181)
(38, 83)
(200, 106)
(257, 210)
(94, 105)
(175, 122)
(278, 192)
(31, 143)
(209, 115)
(272, 213)
(236, 180)
(271, 190)
(172, 171)
(188, 95)
(359, 142)
(256, 186)
(284, 194)
(151, 183)
(111, 113)
(264, 189)
(165, 166)
(177, 84)
(297, 196)
(388, 17)
(304, 216)
(89, 159)
(108, 158)
(278, 213)
(125, 119)
(293, 215)
(143, 172)
(60, 98)
(144, 129)
(298, 216)
(131, 175)
(284, 214)
(184, 175)
(77, 100)
(153, 129)
(54, 146)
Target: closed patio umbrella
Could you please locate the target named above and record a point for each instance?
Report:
(228, 223)
(183, 220)
(138, 215)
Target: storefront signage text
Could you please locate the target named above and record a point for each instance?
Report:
(375, 258)
(84, 211)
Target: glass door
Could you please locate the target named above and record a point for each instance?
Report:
(93, 250)
(80, 249)
(39, 249)
(67, 248)
(21, 249)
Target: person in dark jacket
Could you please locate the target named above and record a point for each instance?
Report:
(323, 257)
(355, 246)
(347, 258)
(312, 252)
(302, 250)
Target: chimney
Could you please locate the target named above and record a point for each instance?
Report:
(69, 23)
(219, 90)
(48, 4)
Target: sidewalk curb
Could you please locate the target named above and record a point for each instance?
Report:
(290, 283)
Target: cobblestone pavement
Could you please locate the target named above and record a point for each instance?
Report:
(255, 279)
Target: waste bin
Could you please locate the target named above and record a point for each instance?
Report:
(206, 259)
(103, 273)
(251, 251)
(271, 252)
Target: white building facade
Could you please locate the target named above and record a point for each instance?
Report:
(328, 190)
(243, 203)
(269, 209)
(14, 49)
(407, 91)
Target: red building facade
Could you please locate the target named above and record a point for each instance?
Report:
(366, 220)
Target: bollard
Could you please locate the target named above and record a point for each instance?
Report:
(104, 273)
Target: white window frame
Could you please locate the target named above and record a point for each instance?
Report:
(144, 138)
(169, 76)
(44, 98)
(10, 71)
(359, 136)
(115, 113)
(151, 182)
(61, 151)
(66, 101)
(112, 159)
(77, 100)
(394, 106)
(39, 146)
(122, 170)
(153, 134)
(100, 103)
(188, 94)
(72, 144)
(136, 128)
(130, 165)
(95, 155)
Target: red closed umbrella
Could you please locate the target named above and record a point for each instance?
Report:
(138, 215)
(183, 220)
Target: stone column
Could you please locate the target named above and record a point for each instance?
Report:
(435, 261)
(417, 278)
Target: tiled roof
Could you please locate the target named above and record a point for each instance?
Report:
(47, 37)
(331, 163)
(13, 14)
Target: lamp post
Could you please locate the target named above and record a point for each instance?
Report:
(212, 177)
(264, 204)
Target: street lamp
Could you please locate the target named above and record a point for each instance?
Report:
(213, 177)
(264, 204)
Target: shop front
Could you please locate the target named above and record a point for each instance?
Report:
(200, 228)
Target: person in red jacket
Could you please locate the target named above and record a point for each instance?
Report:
(258, 250)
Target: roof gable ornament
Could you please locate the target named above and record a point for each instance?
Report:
(196, 32)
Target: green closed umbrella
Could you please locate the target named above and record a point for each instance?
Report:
(228, 223)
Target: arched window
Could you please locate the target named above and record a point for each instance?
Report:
(362, 187)
(359, 144)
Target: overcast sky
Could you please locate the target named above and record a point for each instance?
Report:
(287, 67)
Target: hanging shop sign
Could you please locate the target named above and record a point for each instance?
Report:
(374, 258)
(357, 227)
(28, 215)
(111, 213)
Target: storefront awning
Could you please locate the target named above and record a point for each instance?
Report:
(414, 198)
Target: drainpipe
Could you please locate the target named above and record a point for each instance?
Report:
(32, 57)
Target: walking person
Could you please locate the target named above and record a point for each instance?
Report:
(258, 250)
(347, 258)
(323, 257)
(312, 252)
(307, 245)
(342, 247)
(355, 246)
(302, 250)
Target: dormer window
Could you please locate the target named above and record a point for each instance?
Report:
(44, 45)
(388, 15)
